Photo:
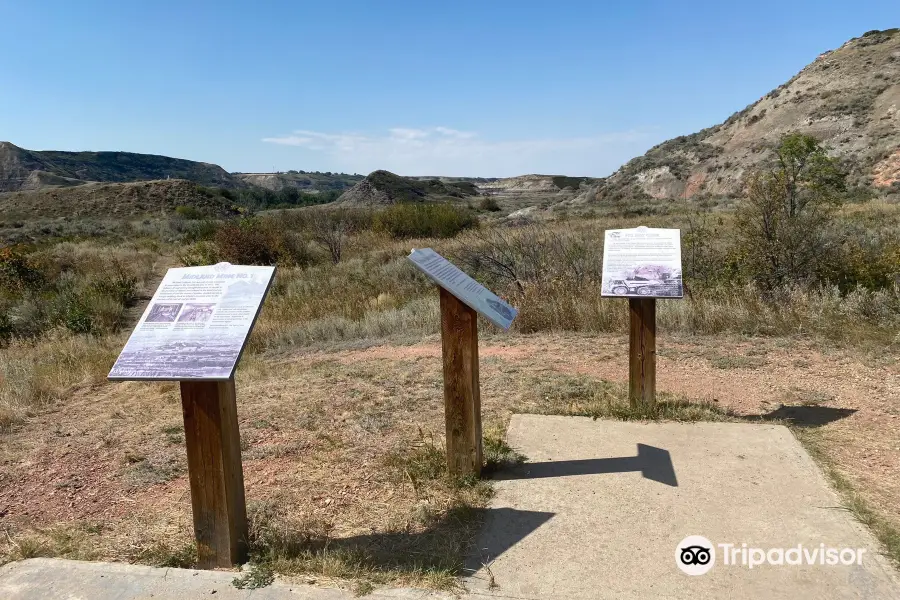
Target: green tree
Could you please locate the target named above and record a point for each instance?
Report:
(781, 225)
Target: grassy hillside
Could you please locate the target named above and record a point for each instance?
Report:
(18, 165)
(94, 208)
(384, 187)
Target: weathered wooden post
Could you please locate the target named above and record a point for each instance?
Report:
(194, 331)
(462, 299)
(462, 393)
(215, 471)
(642, 264)
(642, 352)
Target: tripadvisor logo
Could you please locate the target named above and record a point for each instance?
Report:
(696, 555)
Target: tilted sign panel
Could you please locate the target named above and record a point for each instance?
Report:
(196, 325)
(470, 292)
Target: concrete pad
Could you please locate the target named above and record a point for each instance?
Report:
(54, 579)
(601, 506)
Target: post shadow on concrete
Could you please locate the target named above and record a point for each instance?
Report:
(805, 416)
(653, 463)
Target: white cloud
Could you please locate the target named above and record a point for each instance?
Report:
(401, 133)
(447, 151)
(454, 132)
(289, 140)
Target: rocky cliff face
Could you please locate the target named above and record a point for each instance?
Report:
(848, 98)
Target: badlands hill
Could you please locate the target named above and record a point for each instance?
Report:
(848, 98)
(302, 180)
(22, 169)
(384, 187)
(30, 216)
(114, 201)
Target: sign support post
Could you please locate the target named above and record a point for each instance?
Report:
(462, 394)
(215, 472)
(462, 300)
(642, 353)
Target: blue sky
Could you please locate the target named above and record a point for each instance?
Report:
(493, 88)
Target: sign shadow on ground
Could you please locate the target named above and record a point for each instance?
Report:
(507, 527)
(431, 547)
(653, 463)
(805, 416)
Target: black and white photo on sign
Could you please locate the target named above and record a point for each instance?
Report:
(163, 313)
(196, 312)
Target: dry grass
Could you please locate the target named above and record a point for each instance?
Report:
(345, 476)
(35, 374)
(587, 397)
(376, 294)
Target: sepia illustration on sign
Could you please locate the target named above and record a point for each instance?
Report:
(470, 292)
(196, 325)
(642, 263)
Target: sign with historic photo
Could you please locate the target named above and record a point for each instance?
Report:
(470, 292)
(643, 263)
(196, 325)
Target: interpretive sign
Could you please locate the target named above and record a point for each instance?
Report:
(196, 325)
(470, 292)
(643, 263)
(462, 298)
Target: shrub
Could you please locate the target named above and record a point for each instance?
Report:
(81, 287)
(563, 182)
(489, 203)
(194, 231)
(781, 226)
(121, 286)
(189, 212)
(16, 269)
(247, 242)
(330, 230)
(864, 261)
(199, 254)
(424, 220)
(74, 313)
(256, 241)
(532, 253)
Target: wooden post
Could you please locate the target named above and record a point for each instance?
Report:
(462, 396)
(642, 353)
(216, 474)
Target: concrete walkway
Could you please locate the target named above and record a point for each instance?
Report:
(54, 579)
(600, 507)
